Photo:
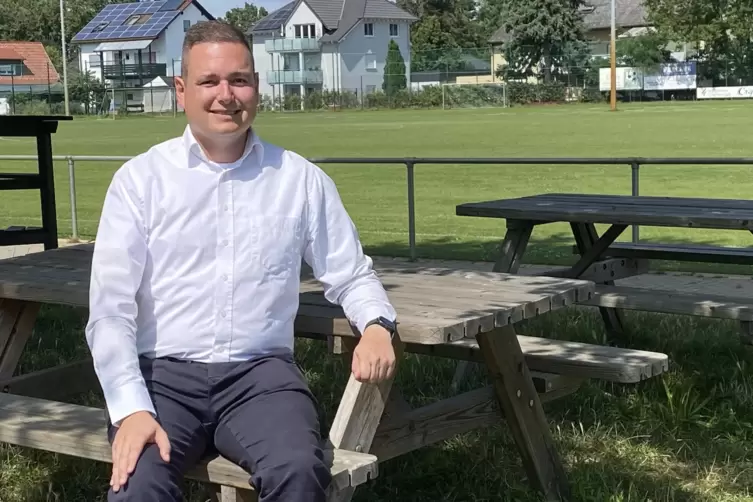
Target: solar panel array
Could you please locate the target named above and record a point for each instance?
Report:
(110, 22)
(275, 19)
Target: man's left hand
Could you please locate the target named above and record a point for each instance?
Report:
(374, 356)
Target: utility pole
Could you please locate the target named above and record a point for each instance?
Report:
(613, 62)
(65, 58)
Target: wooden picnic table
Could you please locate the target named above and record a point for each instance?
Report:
(603, 260)
(451, 313)
(40, 127)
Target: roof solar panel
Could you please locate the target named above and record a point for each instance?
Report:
(172, 5)
(275, 19)
(110, 22)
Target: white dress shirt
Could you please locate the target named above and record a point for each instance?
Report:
(201, 261)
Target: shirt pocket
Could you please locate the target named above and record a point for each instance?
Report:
(275, 243)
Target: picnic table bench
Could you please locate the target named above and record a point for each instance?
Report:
(605, 261)
(449, 313)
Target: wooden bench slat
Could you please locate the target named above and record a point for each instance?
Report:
(673, 302)
(80, 431)
(680, 252)
(563, 357)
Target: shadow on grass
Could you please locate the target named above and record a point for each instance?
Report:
(552, 249)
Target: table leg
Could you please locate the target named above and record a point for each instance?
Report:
(358, 417)
(522, 408)
(589, 243)
(47, 190)
(17, 320)
(511, 252)
(513, 246)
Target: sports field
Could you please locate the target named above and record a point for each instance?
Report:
(684, 437)
(376, 196)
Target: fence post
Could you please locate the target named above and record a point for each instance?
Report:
(411, 210)
(72, 196)
(635, 169)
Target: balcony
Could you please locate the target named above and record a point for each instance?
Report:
(292, 45)
(144, 70)
(295, 77)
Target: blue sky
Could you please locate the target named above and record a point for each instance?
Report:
(219, 7)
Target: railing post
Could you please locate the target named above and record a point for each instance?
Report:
(72, 195)
(411, 210)
(635, 169)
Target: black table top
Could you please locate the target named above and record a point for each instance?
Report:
(619, 209)
(30, 125)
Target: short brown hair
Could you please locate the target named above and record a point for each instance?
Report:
(211, 31)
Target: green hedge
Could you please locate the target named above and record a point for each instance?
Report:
(434, 96)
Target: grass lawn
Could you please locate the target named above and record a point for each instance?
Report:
(683, 437)
(376, 196)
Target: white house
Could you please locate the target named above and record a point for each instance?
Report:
(128, 45)
(341, 45)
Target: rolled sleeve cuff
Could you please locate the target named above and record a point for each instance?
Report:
(126, 400)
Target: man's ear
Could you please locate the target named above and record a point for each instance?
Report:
(180, 91)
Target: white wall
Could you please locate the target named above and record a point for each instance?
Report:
(355, 47)
(330, 65)
(303, 15)
(173, 36)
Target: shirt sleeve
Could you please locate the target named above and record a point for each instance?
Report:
(117, 268)
(334, 252)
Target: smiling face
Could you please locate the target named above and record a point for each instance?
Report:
(218, 89)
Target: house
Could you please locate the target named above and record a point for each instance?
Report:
(25, 67)
(127, 45)
(340, 45)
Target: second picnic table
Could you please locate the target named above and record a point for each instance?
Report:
(459, 314)
(604, 260)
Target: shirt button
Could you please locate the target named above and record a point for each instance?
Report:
(223, 313)
(224, 243)
(224, 277)
(225, 207)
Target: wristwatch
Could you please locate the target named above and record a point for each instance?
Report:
(390, 326)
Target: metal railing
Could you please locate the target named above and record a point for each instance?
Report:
(410, 164)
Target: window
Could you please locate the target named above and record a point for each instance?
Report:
(394, 31)
(369, 61)
(305, 30)
(137, 19)
(11, 69)
(186, 25)
(370, 89)
(368, 29)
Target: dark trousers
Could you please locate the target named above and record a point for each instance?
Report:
(258, 414)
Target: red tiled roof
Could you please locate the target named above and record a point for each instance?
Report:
(36, 61)
(6, 53)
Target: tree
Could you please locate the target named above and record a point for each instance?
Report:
(246, 16)
(646, 51)
(394, 70)
(445, 30)
(720, 30)
(539, 33)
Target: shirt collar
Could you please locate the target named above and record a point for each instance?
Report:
(196, 155)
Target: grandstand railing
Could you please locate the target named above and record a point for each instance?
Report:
(410, 163)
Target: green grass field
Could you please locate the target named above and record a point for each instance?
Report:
(684, 437)
(376, 196)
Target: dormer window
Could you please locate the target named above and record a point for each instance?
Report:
(305, 30)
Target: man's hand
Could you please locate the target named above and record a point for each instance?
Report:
(134, 433)
(374, 357)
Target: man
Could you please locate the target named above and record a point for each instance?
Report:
(194, 290)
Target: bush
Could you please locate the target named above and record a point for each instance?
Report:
(435, 96)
